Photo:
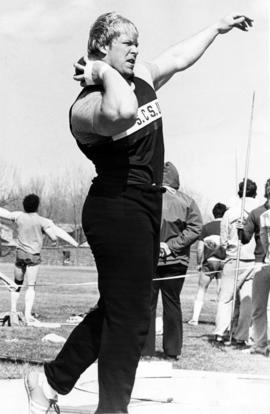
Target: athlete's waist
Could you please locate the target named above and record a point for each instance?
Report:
(100, 187)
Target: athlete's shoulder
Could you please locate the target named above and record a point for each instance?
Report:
(143, 70)
(15, 215)
(44, 221)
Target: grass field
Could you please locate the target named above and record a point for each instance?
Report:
(61, 298)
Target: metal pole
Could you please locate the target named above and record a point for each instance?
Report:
(236, 170)
(242, 212)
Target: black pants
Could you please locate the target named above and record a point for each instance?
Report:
(172, 313)
(123, 232)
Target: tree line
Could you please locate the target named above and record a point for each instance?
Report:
(61, 196)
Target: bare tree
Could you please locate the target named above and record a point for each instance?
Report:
(77, 186)
(8, 184)
(62, 196)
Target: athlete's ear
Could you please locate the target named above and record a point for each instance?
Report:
(104, 49)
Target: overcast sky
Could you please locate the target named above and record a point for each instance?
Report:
(206, 109)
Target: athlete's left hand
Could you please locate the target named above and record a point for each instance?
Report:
(237, 20)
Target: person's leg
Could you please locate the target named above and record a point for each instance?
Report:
(150, 343)
(218, 283)
(19, 273)
(124, 241)
(224, 308)
(236, 314)
(31, 274)
(260, 294)
(241, 332)
(128, 301)
(172, 312)
(218, 275)
(204, 282)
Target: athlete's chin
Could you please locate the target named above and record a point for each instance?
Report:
(128, 73)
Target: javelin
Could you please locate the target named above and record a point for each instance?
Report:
(12, 286)
(242, 210)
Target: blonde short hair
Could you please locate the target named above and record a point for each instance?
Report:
(107, 27)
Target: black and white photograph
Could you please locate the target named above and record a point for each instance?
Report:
(134, 207)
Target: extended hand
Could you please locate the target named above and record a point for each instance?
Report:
(235, 20)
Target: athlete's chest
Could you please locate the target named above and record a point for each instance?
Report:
(149, 113)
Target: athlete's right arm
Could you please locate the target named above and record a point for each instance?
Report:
(109, 112)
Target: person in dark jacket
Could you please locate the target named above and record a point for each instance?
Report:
(181, 225)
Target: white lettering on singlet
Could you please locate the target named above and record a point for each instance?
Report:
(147, 114)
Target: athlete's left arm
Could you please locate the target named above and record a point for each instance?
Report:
(55, 232)
(51, 233)
(185, 53)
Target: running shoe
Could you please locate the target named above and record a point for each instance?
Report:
(38, 403)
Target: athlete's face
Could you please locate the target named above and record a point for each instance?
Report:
(122, 53)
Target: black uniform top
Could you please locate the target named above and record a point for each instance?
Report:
(135, 156)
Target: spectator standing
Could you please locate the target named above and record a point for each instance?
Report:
(229, 240)
(257, 224)
(210, 259)
(181, 225)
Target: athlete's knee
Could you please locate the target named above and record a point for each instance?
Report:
(19, 283)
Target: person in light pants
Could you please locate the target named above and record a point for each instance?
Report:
(229, 240)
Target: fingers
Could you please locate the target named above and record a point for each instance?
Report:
(242, 22)
(249, 21)
(79, 78)
(241, 26)
(244, 18)
(79, 70)
(79, 67)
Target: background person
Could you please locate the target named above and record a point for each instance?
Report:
(31, 228)
(210, 259)
(229, 240)
(257, 224)
(116, 121)
(181, 225)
